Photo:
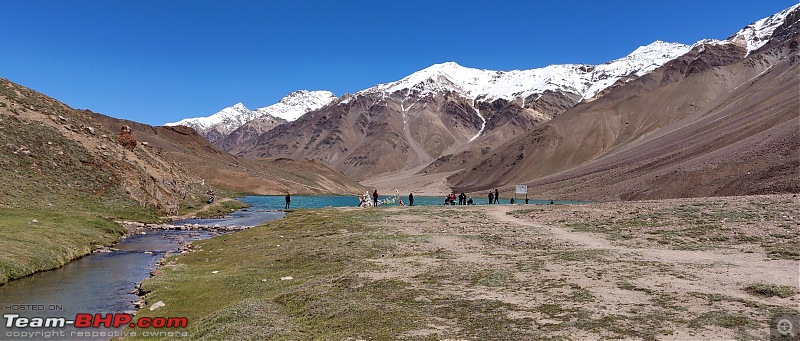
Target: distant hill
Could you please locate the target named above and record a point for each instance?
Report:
(223, 170)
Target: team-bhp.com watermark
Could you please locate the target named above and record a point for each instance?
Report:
(48, 327)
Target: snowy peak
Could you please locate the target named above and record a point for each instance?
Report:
(638, 63)
(289, 108)
(234, 113)
(583, 79)
(757, 34)
(297, 103)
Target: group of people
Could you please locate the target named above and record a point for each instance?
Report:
(364, 200)
(450, 199)
(462, 199)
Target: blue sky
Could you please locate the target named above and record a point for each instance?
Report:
(161, 61)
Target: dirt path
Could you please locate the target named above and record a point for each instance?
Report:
(501, 213)
(738, 267)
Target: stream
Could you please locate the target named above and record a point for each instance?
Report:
(100, 283)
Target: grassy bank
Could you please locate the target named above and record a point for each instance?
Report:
(39, 240)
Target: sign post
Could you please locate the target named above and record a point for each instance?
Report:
(521, 189)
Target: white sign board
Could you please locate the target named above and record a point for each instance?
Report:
(522, 189)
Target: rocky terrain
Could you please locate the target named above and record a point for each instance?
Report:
(239, 175)
(54, 154)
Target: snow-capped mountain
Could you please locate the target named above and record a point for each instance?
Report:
(297, 103)
(225, 120)
(446, 112)
(448, 116)
(583, 79)
(757, 34)
(289, 108)
(486, 85)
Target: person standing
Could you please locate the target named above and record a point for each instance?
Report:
(288, 200)
(375, 198)
(410, 199)
(491, 197)
(496, 196)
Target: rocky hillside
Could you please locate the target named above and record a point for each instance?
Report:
(186, 147)
(54, 155)
(368, 135)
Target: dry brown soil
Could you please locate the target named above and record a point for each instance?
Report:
(673, 269)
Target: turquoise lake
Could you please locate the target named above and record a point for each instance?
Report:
(277, 202)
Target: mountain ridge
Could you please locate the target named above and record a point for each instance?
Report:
(448, 118)
(646, 57)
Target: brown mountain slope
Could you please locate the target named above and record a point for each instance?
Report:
(702, 125)
(225, 171)
(370, 135)
(249, 131)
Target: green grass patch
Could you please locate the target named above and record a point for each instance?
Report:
(482, 319)
(784, 249)
(221, 208)
(39, 240)
(721, 319)
(770, 290)
(325, 299)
